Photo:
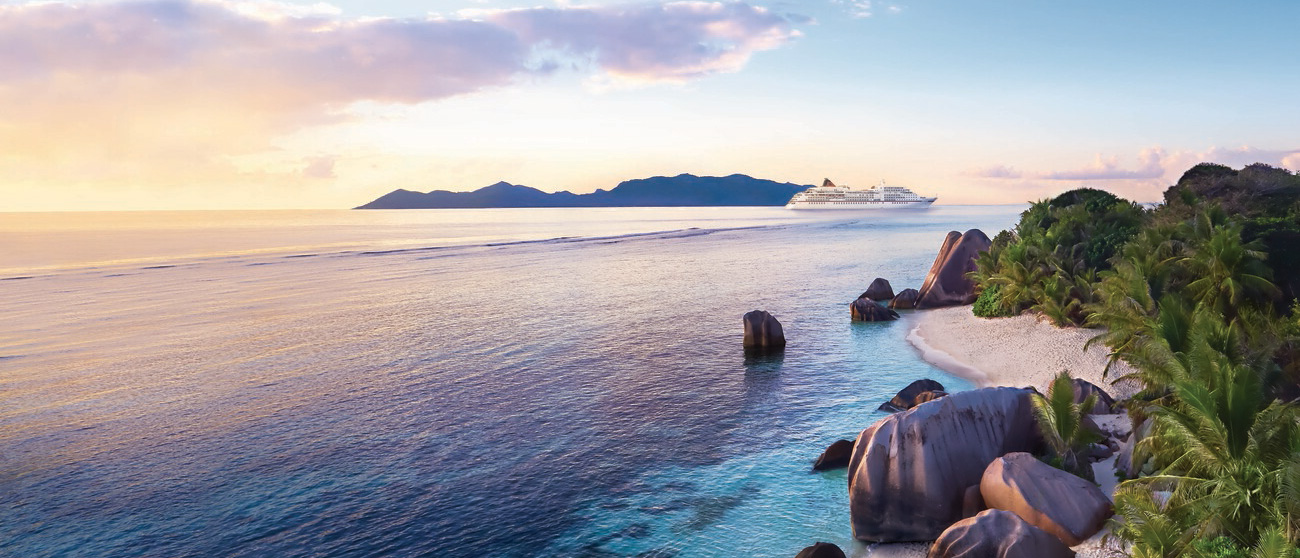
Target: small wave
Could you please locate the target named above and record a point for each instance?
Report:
(159, 267)
(945, 361)
(18, 278)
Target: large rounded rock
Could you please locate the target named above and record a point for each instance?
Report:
(879, 289)
(1105, 403)
(866, 310)
(907, 397)
(821, 550)
(835, 456)
(763, 332)
(909, 471)
(997, 534)
(1068, 507)
(905, 299)
(947, 284)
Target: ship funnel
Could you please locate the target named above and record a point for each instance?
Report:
(826, 183)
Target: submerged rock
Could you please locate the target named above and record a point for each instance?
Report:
(866, 310)
(907, 397)
(997, 534)
(946, 284)
(905, 299)
(835, 456)
(821, 550)
(879, 289)
(909, 472)
(1070, 508)
(763, 332)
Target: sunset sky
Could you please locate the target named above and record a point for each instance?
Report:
(216, 104)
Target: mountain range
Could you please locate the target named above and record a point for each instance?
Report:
(658, 191)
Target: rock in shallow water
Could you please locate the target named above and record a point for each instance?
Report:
(905, 299)
(880, 289)
(946, 284)
(821, 550)
(907, 397)
(763, 332)
(909, 472)
(1068, 507)
(835, 456)
(866, 310)
(997, 534)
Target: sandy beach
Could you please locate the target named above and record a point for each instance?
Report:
(1018, 351)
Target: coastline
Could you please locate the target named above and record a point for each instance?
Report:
(1018, 351)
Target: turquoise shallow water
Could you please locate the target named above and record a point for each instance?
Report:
(543, 383)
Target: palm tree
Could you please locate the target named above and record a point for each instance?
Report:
(1061, 421)
(1232, 449)
(1228, 272)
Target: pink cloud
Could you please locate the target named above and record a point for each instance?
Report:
(995, 171)
(1149, 166)
(671, 41)
(175, 91)
(331, 60)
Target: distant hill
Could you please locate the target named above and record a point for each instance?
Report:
(659, 191)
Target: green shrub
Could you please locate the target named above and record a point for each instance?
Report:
(1219, 547)
(989, 303)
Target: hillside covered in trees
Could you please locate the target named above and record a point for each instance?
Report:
(1199, 295)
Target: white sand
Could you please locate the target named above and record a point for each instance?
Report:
(1019, 351)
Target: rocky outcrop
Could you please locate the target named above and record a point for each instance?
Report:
(928, 396)
(763, 332)
(835, 456)
(905, 299)
(821, 550)
(866, 310)
(907, 397)
(972, 502)
(997, 534)
(879, 290)
(1105, 403)
(909, 472)
(1068, 507)
(1130, 459)
(946, 284)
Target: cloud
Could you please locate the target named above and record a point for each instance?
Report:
(319, 167)
(653, 42)
(1149, 166)
(859, 9)
(1156, 169)
(176, 91)
(995, 171)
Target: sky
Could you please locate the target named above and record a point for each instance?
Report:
(249, 104)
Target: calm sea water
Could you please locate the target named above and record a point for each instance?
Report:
(537, 382)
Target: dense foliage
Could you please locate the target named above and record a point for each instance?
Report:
(1199, 296)
(1049, 262)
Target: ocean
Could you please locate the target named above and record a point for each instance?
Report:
(451, 383)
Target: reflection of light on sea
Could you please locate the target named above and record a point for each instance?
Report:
(572, 392)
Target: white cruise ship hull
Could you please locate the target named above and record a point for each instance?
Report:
(830, 196)
(857, 205)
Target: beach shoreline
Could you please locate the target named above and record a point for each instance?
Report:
(1018, 351)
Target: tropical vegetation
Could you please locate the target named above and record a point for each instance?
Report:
(1199, 296)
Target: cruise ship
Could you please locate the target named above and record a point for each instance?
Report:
(830, 196)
